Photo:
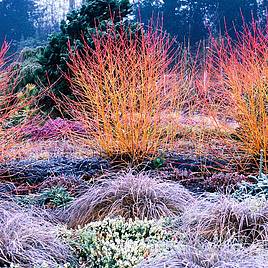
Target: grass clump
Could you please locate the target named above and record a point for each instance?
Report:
(224, 218)
(130, 196)
(117, 243)
(209, 255)
(28, 240)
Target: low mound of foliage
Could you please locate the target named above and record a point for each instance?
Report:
(117, 243)
(28, 240)
(130, 196)
(224, 218)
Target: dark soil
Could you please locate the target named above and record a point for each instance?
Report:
(34, 172)
(198, 174)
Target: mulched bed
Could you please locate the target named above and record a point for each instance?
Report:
(37, 171)
(198, 174)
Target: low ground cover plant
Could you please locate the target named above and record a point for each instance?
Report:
(258, 185)
(117, 243)
(58, 128)
(54, 197)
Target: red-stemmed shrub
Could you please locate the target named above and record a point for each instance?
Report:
(126, 87)
(233, 88)
(14, 106)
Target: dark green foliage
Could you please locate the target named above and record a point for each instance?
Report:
(29, 65)
(158, 162)
(79, 24)
(56, 197)
(53, 197)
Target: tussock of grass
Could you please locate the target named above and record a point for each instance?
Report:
(207, 255)
(224, 218)
(28, 240)
(129, 196)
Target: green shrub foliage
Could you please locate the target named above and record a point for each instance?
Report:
(52, 198)
(79, 26)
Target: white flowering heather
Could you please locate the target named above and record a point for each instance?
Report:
(117, 243)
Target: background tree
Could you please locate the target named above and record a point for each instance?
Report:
(71, 5)
(51, 13)
(17, 16)
(231, 13)
(79, 24)
(194, 19)
(262, 11)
